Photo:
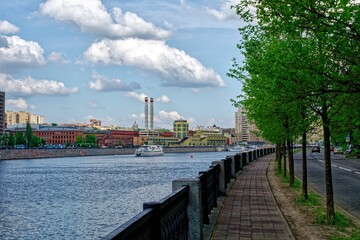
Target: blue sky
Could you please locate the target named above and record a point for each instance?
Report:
(72, 60)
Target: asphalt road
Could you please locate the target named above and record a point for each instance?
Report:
(345, 176)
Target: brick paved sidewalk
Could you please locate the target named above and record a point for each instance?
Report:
(249, 210)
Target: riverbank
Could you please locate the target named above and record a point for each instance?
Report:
(12, 154)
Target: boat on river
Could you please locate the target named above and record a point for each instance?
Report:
(149, 150)
(236, 148)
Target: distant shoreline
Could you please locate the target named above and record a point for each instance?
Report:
(16, 154)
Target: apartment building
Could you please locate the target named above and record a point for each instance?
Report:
(23, 117)
(245, 131)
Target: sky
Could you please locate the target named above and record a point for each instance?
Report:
(73, 60)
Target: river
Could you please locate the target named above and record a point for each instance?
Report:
(86, 197)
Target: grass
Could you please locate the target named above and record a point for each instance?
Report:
(296, 184)
(312, 200)
(344, 226)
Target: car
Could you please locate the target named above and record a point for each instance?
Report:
(315, 149)
(338, 150)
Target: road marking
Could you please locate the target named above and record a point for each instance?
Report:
(345, 169)
(357, 172)
(321, 161)
(334, 165)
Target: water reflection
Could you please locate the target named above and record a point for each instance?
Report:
(86, 197)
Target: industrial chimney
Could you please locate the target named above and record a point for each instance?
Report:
(151, 114)
(146, 110)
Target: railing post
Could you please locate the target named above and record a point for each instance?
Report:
(222, 184)
(194, 208)
(238, 166)
(156, 222)
(233, 170)
(244, 160)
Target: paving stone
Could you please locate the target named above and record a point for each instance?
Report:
(249, 210)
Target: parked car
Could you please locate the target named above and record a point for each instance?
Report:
(315, 149)
(338, 150)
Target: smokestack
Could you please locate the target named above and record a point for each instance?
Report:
(146, 110)
(151, 114)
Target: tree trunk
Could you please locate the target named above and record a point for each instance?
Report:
(278, 156)
(304, 167)
(327, 159)
(291, 163)
(284, 153)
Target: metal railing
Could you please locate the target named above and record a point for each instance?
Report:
(181, 214)
(166, 219)
(209, 190)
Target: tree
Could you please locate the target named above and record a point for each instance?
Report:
(307, 53)
(90, 139)
(79, 139)
(11, 140)
(28, 135)
(19, 138)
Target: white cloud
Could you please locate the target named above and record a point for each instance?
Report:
(19, 104)
(92, 16)
(173, 115)
(57, 57)
(102, 83)
(16, 53)
(163, 99)
(174, 66)
(225, 12)
(138, 96)
(94, 105)
(8, 28)
(30, 86)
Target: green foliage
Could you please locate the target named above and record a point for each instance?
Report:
(79, 139)
(19, 138)
(37, 141)
(296, 185)
(11, 140)
(28, 135)
(300, 69)
(339, 220)
(90, 138)
(312, 200)
(347, 229)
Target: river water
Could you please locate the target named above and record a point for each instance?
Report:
(86, 197)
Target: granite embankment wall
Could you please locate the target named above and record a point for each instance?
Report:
(55, 153)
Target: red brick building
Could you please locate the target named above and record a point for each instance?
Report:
(58, 135)
(119, 138)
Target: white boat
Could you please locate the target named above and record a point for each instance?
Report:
(236, 148)
(149, 150)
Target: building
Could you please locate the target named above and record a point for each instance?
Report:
(115, 138)
(2, 112)
(14, 118)
(245, 131)
(181, 129)
(95, 123)
(58, 135)
(204, 138)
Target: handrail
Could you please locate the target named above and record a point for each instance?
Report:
(129, 230)
(169, 217)
(166, 219)
(209, 191)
